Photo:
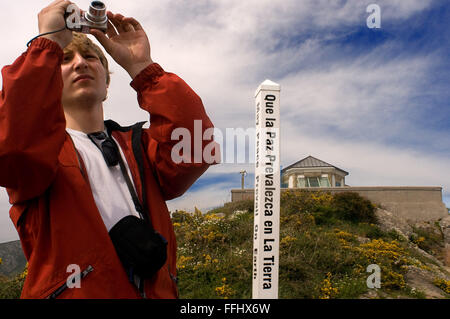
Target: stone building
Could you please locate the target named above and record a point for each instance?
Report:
(413, 203)
(312, 172)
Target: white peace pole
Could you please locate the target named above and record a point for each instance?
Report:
(266, 237)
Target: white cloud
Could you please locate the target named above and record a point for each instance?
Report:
(349, 93)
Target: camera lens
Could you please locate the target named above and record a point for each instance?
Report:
(97, 5)
(96, 12)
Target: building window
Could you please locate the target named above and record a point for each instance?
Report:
(313, 182)
(316, 181)
(301, 181)
(324, 182)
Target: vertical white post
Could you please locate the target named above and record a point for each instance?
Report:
(266, 236)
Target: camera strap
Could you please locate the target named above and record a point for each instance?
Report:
(98, 139)
(46, 33)
(138, 281)
(137, 203)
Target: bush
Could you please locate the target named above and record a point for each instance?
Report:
(11, 288)
(428, 238)
(328, 209)
(352, 207)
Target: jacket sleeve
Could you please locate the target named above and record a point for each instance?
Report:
(172, 105)
(32, 122)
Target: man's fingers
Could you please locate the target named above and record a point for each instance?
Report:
(102, 38)
(56, 2)
(64, 4)
(116, 20)
(110, 30)
(136, 25)
(128, 27)
(124, 24)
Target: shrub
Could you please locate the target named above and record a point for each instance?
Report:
(428, 239)
(325, 215)
(352, 207)
(11, 288)
(442, 284)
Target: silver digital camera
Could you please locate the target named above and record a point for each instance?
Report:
(81, 21)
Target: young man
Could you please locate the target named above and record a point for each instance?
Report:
(60, 161)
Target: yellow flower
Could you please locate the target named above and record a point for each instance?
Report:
(327, 290)
(344, 235)
(442, 284)
(287, 240)
(393, 280)
(419, 240)
(210, 236)
(183, 261)
(224, 291)
(378, 249)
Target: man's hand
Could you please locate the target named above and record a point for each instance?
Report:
(126, 42)
(51, 18)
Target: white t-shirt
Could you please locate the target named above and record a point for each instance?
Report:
(108, 185)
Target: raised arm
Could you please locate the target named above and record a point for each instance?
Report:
(173, 105)
(32, 123)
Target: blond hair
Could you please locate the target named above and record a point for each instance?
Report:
(81, 43)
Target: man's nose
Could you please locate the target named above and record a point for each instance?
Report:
(79, 61)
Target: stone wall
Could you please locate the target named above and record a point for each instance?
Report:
(411, 203)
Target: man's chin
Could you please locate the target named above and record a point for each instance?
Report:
(86, 98)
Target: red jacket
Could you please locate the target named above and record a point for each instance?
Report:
(53, 208)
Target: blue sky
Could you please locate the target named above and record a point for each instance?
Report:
(373, 102)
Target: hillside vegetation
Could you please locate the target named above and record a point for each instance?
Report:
(11, 287)
(326, 244)
(14, 260)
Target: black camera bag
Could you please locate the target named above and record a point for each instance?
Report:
(140, 249)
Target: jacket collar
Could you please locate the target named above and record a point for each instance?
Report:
(114, 126)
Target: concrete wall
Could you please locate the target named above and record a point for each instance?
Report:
(411, 203)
